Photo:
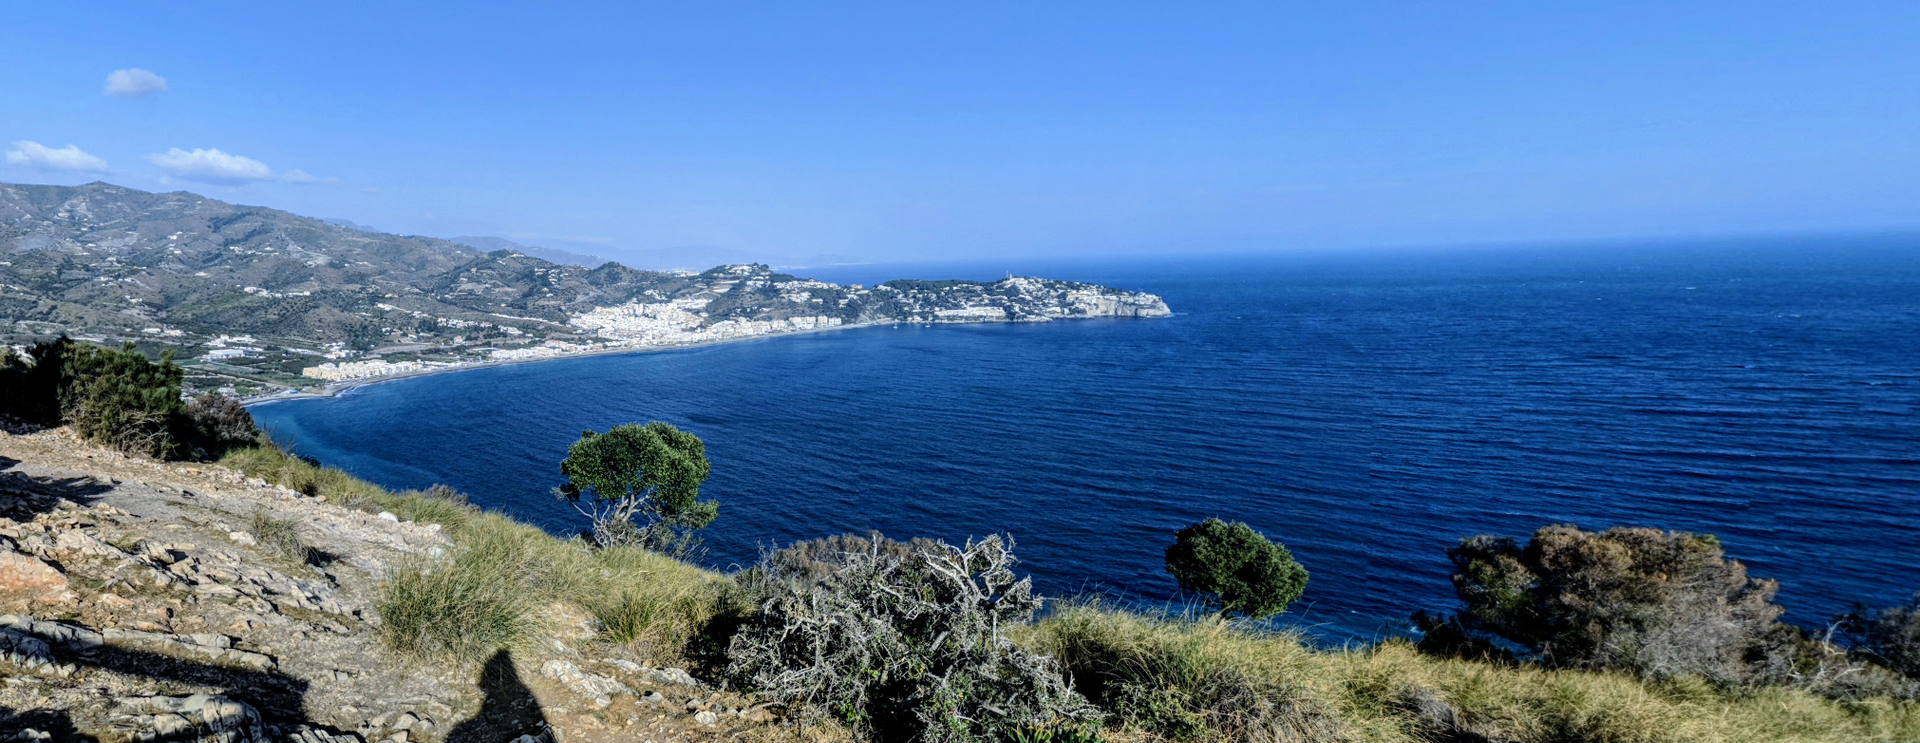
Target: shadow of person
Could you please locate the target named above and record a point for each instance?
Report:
(508, 708)
(279, 698)
(54, 724)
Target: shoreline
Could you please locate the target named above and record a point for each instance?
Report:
(333, 389)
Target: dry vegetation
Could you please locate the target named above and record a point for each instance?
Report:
(1157, 678)
(1204, 679)
(489, 593)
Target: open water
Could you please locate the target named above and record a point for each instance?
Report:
(1368, 410)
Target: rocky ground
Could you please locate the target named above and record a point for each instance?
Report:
(140, 601)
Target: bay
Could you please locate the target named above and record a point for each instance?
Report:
(1366, 409)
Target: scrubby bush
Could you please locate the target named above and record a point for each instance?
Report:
(1652, 602)
(220, 423)
(640, 486)
(1891, 636)
(1236, 568)
(30, 384)
(122, 399)
(905, 644)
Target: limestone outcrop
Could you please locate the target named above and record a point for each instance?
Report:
(137, 605)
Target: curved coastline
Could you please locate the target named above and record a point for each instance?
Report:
(333, 389)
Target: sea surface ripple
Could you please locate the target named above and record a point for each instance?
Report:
(1368, 410)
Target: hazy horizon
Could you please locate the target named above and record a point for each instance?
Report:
(881, 134)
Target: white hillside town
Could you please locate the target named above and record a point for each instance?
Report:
(746, 301)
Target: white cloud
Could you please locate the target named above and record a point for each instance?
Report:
(134, 82)
(299, 176)
(41, 157)
(211, 166)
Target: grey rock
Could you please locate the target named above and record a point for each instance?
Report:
(675, 676)
(593, 686)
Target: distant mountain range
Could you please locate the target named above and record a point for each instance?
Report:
(103, 259)
(248, 285)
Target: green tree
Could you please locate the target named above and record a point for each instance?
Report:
(30, 384)
(1240, 569)
(650, 473)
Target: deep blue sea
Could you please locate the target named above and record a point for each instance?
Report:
(1368, 410)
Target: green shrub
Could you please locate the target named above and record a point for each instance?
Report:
(220, 423)
(120, 398)
(1892, 637)
(30, 384)
(1651, 602)
(905, 646)
(123, 400)
(1238, 569)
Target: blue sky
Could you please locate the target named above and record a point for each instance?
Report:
(922, 131)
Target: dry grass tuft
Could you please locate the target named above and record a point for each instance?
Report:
(280, 536)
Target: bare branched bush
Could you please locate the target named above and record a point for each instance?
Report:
(905, 644)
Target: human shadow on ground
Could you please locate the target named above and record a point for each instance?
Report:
(276, 696)
(52, 723)
(508, 711)
(23, 496)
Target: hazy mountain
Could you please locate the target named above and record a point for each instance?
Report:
(110, 260)
(554, 255)
(349, 224)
